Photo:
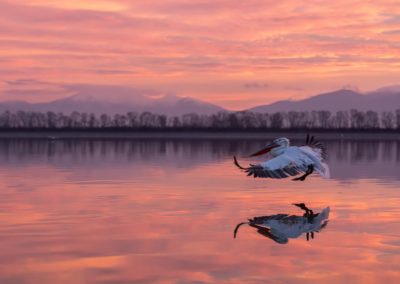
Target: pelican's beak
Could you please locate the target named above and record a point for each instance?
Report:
(265, 150)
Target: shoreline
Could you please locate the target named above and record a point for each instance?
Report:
(221, 135)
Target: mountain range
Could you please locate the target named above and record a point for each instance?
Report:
(112, 100)
(383, 99)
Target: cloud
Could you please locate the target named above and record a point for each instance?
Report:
(177, 44)
(111, 72)
(32, 90)
(392, 32)
(27, 82)
(351, 87)
(392, 18)
(256, 85)
(293, 88)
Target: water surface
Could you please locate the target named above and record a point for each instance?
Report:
(164, 211)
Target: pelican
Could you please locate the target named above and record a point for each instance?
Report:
(281, 227)
(289, 160)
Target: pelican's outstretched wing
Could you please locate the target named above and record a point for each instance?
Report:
(278, 167)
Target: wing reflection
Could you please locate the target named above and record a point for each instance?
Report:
(282, 227)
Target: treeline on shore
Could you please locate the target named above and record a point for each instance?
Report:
(292, 120)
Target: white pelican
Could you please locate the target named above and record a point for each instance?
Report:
(289, 160)
(281, 227)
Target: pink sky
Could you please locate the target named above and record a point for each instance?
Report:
(234, 53)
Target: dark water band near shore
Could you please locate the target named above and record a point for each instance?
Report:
(81, 134)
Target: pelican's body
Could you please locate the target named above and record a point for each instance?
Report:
(282, 227)
(290, 160)
(292, 226)
(301, 157)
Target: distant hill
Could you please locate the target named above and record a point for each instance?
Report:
(112, 100)
(383, 99)
(388, 90)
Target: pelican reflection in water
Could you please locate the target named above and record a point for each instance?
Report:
(282, 227)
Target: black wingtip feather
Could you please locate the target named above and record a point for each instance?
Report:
(236, 163)
(312, 142)
(237, 228)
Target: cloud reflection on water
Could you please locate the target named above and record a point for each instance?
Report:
(79, 211)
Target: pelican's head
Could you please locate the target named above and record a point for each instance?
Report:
(282, 142)
(275, 147)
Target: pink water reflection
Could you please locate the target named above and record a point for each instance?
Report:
(157, 224)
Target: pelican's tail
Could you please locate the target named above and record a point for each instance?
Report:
(326, 173)
(324, 215)
(323, 218)
(323, 170)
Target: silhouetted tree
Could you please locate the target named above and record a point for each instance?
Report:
(371, 120)
(387, 120)
(105, 121)
(277, 120)
(93, 123)
(341, 120)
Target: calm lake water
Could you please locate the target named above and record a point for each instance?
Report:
(164, 211)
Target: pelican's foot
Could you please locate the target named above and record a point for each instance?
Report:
(308, 235)
(309, 171)
(302, 178)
